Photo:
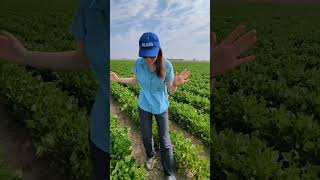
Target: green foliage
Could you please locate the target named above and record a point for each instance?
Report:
(58, 126)
(122, 165)
(6, 173)
(276, 98)
(186, 154)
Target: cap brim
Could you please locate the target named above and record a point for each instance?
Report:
(148, 52)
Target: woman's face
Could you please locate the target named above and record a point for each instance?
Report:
(150, 60)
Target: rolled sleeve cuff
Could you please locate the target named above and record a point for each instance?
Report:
(170, 74)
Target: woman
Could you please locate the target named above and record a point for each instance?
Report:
(155, 76)
(90, 28)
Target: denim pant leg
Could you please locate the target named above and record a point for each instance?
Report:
(167, 158)
(100, 162)
(146, 131)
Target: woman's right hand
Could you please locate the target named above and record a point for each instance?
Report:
(11, 49)
(113, 76)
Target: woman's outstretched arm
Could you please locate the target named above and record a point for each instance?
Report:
(114, 77)
(13, 51)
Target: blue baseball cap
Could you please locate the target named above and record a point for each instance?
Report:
(149, 45)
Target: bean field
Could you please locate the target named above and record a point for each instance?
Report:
(54, 106)
(266, 113)
(189, 108)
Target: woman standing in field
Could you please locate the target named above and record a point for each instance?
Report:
(155, 76)
(90, 28)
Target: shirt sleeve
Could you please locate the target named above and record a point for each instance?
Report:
(169, 72)
(134, 67)
(78, 28)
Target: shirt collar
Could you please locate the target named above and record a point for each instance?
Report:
(145, 65)
(143, 62)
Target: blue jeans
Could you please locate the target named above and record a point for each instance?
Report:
(100, 162)
(166, 152)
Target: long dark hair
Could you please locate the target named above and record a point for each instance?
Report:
(160, 65)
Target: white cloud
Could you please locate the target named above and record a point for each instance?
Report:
(182, 26)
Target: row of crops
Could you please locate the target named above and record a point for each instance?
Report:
(191, 118)
(271, 106)
(57, 124)
(122, 165)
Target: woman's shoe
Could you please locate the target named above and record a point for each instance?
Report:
(172, 177)
(150, 163)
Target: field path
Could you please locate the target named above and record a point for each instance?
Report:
(17, 150)
(138, 151)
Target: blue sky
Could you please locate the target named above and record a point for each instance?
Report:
(182, 26)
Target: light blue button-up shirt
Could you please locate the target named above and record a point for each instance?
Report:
(153, 95)
(91, 24)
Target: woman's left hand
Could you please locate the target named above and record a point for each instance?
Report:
(226, 55)
(180, 79)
